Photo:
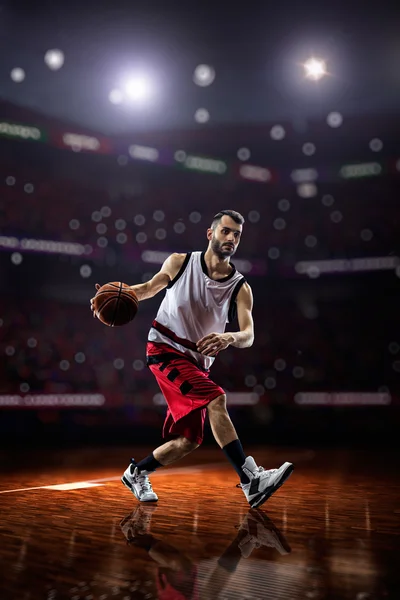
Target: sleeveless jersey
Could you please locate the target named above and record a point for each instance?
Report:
(194, 306)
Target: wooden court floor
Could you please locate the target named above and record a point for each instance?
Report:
(70, 530)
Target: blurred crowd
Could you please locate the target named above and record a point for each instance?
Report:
(172, 212)
(326, 342)
(55, 347)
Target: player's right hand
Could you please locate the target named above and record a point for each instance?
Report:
(97, 286)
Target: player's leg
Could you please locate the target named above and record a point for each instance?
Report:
(257, 484)
(187, 433)
(173, 450)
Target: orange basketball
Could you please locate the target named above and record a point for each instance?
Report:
(115, 304)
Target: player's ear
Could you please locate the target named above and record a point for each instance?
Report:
(209, 234)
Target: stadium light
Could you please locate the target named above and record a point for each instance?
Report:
(314, 69)
(137, 88)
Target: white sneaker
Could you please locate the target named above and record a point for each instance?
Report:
(263, 483)
(139, 484)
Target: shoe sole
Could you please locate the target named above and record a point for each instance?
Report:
(259, 500)
(126, 483)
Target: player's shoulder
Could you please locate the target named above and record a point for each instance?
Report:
(177, 258)
(245, 291)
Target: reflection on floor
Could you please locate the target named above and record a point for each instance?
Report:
(331, 531)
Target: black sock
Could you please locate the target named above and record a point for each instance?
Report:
(236, 456)
(148, 464)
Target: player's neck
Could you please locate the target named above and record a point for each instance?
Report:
(215, 264)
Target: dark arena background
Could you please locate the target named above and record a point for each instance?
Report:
(123, 130)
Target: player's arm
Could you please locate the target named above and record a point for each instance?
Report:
(244, 303)
(165, 275)
(213, 343)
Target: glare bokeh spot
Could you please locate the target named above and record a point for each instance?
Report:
(277, 133)
(202, 115)
(105, 211)
(307, 190)
(102, 242)
(284, 205)
(254, 216)
(161, 233)
(314, 69)
(250, 380)
(280, 364)
(179, 227)
(139, 220)
(16, 258)
(203, 75)
(85, 271)
(334, 119)
(17, 75)
(273, 253)
(74, 224)
(159, 215)
(54, 59)
(279, 224)
(376, 145)
(80, 357)
(119, 363)
(327, 200)
(311, 241)
(195, 217)
(336, 216)
(120, 224)
(308, 149)
(122, 238)
(116, 96)
(243, 154)
(366, 235)
(141, 237)
(101, 228)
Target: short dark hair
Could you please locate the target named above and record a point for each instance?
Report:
(233, 214)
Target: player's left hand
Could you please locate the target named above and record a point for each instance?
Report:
(213, 343)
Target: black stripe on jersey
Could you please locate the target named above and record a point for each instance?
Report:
(205, 270)
(232, 312)
(181, 270)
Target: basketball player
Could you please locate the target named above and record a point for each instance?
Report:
(204, 292)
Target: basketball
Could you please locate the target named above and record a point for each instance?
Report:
(115, 304)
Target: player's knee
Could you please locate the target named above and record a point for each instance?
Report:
(218, 404)
(187, 445)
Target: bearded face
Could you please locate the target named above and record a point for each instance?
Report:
(222, 249)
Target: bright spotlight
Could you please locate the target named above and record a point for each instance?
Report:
(315, 69)
(137, 88)
(54, 59)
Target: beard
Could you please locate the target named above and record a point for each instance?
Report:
(220, 249)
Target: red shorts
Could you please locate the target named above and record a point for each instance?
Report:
(186, 388)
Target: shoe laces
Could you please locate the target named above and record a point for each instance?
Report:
(258, 472)
(143, 481)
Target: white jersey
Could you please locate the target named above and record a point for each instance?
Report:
(194, 306)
